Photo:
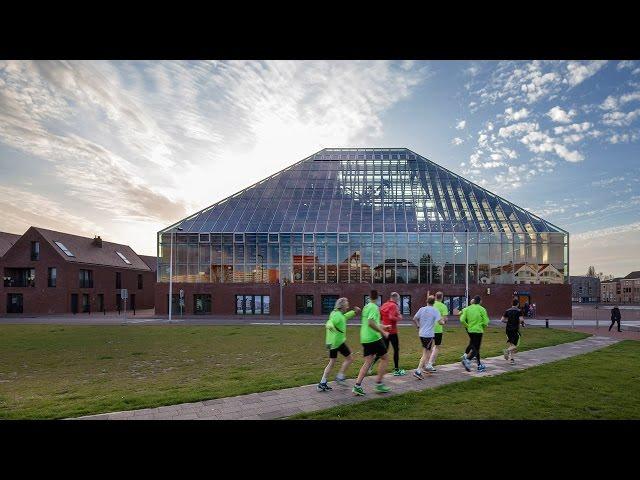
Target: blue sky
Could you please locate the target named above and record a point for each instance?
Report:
(123, 149)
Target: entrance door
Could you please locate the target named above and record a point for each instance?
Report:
(133, 301)
(304, 304)
(74, 303)
(14, 303)
(101, 302)
(455, 303)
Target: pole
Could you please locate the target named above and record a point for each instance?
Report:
(281, 306)
(125, 309)
(466, 276)
(597, 323)
(170, 275)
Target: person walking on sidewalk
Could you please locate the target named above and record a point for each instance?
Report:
(513, 318)
(336, 341)
(615, 317)
(390, 315)
(371, 335)
(475, 319)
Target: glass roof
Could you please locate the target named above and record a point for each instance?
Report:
(364, 190)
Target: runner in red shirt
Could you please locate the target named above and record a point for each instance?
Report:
(390, 315)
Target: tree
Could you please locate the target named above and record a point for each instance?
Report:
(591, 271)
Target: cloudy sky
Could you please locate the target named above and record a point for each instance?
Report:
(123, 149)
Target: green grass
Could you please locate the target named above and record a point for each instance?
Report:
(63, 371)
(604, 384)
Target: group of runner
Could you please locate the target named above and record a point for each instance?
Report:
(379, 330)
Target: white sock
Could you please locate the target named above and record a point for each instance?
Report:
(324, 379)
(340, 376)
(429, 365)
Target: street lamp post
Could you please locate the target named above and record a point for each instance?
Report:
(171, 271)
(466, 276)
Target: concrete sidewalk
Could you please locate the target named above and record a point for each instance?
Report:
(290, 401)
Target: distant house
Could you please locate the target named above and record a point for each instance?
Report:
(630, 288)
(585, 289)
(50, 272)
(610, 291)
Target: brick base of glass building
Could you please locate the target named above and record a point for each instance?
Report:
(245, 299)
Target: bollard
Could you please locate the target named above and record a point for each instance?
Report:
(546, 323)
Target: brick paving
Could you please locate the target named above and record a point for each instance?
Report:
(289, 401)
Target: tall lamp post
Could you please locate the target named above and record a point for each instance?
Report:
(171, 271)
(466, 276)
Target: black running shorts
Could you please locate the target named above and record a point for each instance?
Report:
(513, 337)
(343, 349)
(374, 348)
(438, 338)
(427, 342)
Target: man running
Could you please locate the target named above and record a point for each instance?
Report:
(474, 318)
(424, 320)
(336, 340)
(513, 318)
(371, 335)
(439, 327)
(390, 315)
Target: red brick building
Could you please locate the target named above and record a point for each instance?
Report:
(48, 272)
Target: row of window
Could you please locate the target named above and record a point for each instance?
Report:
(261, 304)
(26, 277)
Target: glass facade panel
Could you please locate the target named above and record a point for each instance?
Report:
(372, 216)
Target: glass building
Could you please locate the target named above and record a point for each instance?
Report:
(370, 215)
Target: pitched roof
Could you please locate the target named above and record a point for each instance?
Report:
(6, 241)
(632, 275)
(394, 190)
(151, 261)
(84, 251)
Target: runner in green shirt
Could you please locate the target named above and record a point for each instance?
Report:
(475, 319)
(336, 340)
(439, 326)
(371, 333)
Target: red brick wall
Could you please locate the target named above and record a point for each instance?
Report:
(42, 299)
(553, 301)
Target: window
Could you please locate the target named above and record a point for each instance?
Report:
(308, 238)
(118, 280)
(139, 281)
(238, 238)
(253, 304)
(19, 277)
(124, 258)
(378, 300)
(35, 250)
(86, 278)
(343, 238)
(204, 238)
(86, 307)
(405, 304)
(328, 302)
(66, 251)
(201, 304)
(304, 304)
(52, 276)
(273, 238)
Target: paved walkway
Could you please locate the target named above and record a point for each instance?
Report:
(289, 401)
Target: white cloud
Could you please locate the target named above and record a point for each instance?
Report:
(517, 129)
(578, 72)
(623, 138)
(457, 141)
(629, 97)
(559, 115)
(625, 64)
(609, 103)
(620, 119)
(511, 115)
(575, 127)
(461, 125)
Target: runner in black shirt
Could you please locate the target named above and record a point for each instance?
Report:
(513, 318)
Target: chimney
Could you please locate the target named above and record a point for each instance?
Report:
(97, 241)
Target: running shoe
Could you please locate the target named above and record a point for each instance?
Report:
(358, 390)
(512, 362)
(418, 375)
(481, 367)
(323, 387)
(466, 363)
(341, 380)
(382, 388)
(430, 368)
(399, 372)
(506, 354)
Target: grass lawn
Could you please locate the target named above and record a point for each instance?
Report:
(604, 384)
(63, 371)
